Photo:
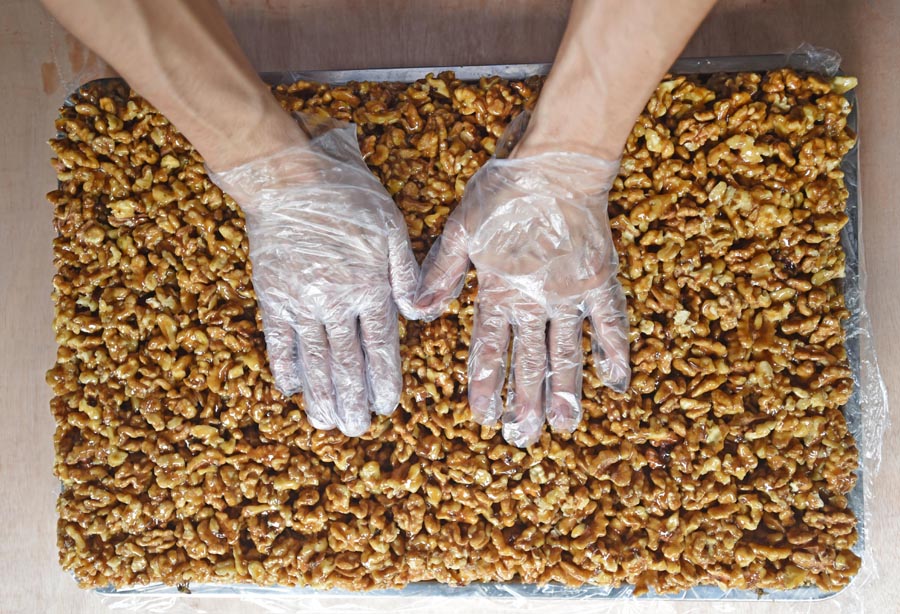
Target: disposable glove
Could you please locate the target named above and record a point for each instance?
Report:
(331, 263)
(537, 231)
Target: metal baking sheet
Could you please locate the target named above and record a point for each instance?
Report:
(850, 238)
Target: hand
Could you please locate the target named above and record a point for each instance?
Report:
(537, 231)
(331, 263)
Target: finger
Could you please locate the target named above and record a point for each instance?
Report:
(318, 391)
(487, 363)
(403, 270)
(281, 347)
(564, 346)
(609, 341)
(443, 271)
(381, 346)
(348, 375)
(523, 417)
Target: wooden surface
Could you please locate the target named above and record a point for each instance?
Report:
(39, 63)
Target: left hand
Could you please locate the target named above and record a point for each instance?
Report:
(331, 265)
(537, 231)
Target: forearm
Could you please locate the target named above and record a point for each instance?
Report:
(609, 62)
(182, 56)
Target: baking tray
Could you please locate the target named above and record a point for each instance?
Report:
(805, 59)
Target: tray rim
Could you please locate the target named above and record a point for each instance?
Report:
(850, 238)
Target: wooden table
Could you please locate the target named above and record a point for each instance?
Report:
(40, 63)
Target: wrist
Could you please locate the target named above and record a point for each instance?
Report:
(555, 137)
(573, 115)
(568, 130)
(263, 130)
(582, 108)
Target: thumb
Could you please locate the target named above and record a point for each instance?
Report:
(443, 271)
(403, 268)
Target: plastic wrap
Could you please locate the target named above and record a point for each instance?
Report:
(866, 415)
(68, 62)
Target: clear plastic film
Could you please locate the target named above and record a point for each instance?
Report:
(68, 62)
(866, 414)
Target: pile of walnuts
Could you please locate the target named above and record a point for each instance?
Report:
(727, 463)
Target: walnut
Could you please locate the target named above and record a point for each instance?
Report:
(728, 462)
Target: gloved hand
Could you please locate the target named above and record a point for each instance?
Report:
(331, 262)
(537, 231)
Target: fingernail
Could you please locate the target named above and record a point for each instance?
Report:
(485, 409)
(565, 412)
(618, 382)
(386, 408)
(521, 435)
(288, 386)
(316, 423)
(615, 377)
(386, 396)
(429, 310)
(620, 386)
(356, 425)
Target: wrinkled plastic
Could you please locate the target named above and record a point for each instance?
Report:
(67, 63)
(537, 232)
(331, 263)
(866, 413)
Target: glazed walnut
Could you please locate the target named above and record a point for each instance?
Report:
(728, 462)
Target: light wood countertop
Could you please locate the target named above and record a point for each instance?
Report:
(39, 63)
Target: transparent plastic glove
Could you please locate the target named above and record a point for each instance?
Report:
(331, 263)
(537, 231)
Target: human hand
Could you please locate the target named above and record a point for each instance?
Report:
(331, 263)
(537, 231)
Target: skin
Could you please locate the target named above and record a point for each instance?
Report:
(609, 62)
(182, 56)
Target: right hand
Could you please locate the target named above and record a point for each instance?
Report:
(331, 263)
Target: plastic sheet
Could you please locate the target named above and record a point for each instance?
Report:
(68, 62)
(866, 414)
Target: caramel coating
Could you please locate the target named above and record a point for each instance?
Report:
(728, 462)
